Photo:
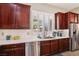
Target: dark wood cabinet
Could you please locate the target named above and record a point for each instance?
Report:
(12, 50)
(60, 21)
(63, 45)
(22, 17)
(14, 16)
(60, 47)
(71, 17)
(54, 47)
(66, 44)
(45, 48)
(6, 16)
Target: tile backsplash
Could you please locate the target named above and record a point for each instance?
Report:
(12, 34)
(57, 33)
(24, 34)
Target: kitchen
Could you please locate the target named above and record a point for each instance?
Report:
(38, 29)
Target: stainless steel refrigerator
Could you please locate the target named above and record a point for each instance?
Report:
(74, 36)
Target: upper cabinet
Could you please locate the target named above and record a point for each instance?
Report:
(22, 17)
(62, 20)
(6, 16)
(71, 17)
(14, 16)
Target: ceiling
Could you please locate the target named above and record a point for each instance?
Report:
(65, 6)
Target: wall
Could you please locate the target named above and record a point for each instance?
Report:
(75, 10)
(44, 7)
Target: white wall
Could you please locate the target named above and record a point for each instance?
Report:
(44, 7)
(76, 10)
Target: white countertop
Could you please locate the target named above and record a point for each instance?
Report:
(6, 42)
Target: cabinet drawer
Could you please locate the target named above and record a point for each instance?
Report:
(44, 43)
(12, 50)
(13, 46)
(15, 52)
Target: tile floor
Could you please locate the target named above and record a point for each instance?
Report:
(71, 53)
(68, 53)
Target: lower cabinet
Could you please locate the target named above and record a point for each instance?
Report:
(63, 45)
(45, 48)
(49, 47)
(12, 50)
(54, 46)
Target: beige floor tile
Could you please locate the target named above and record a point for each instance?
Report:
(71, 53)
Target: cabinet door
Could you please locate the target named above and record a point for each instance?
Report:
(45, 48)
(22, 16)
(64, 23)
(12, 50)
(54, 46)
(2, 51)
(6, 15)
(60, 47)
(71, 17)
(60, 21)
(63, 45)
(66, 44)
(14, 16)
